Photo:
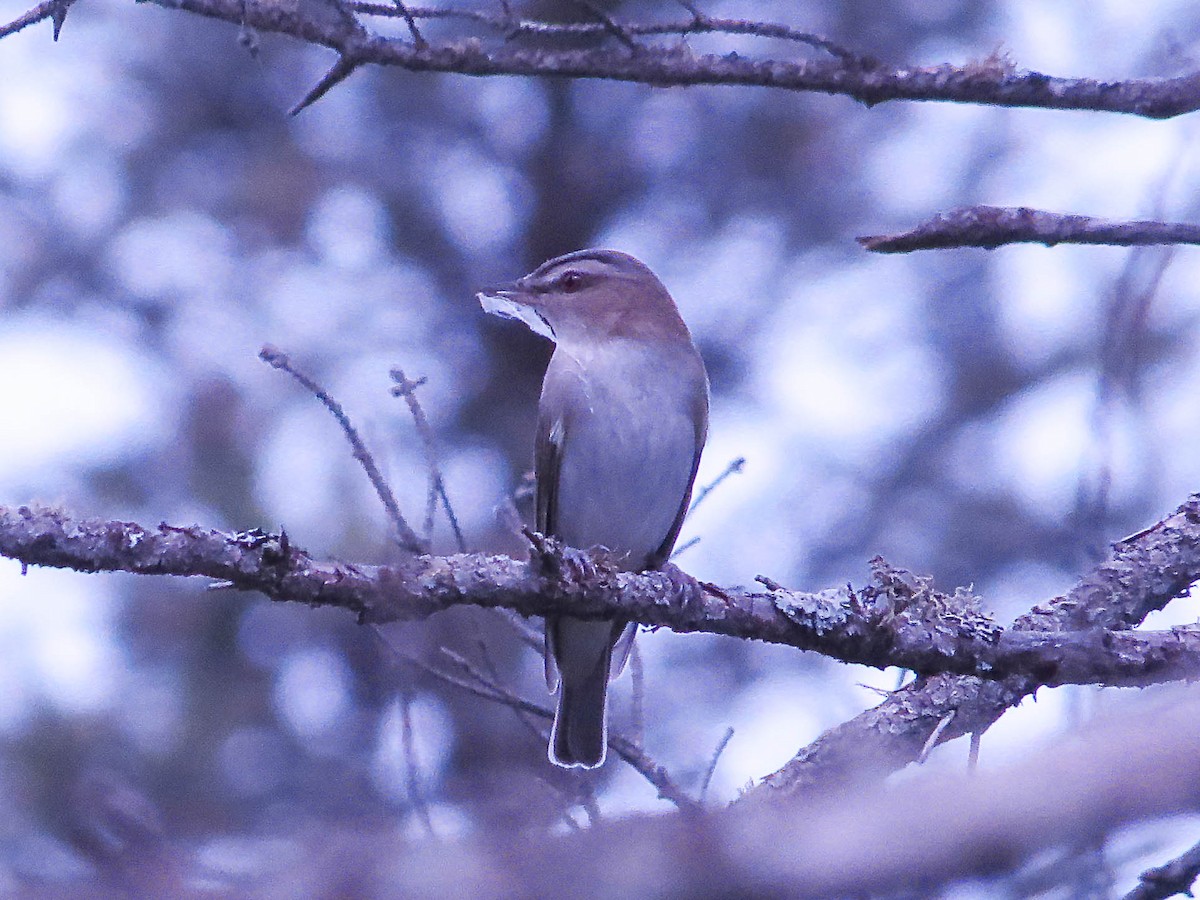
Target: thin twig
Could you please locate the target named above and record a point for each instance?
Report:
(582, 790)
(415, 792)
(609, 25)
(508, 24)
(712, 764)
(479, 684)
(685, 547)
(418, 39)
(524, 717)
(933, 738)
(735, 467)
(338, 72)
(437, 484)
(406, 537)
(637, 678)
(527, 634)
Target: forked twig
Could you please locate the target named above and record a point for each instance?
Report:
(609, 24)
(406, 537)
(417, 37)
(437, 485)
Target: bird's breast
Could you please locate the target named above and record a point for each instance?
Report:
(627, 456)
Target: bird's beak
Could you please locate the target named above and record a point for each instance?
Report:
(510, 302)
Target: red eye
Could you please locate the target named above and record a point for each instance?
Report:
(570, 281)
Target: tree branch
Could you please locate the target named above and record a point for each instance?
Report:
(489, 49)
(1142, 573)
(993, 226)
(1175, 877)
(898, 620)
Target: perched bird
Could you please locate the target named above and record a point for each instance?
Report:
(621, 424)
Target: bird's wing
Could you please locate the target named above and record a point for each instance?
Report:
(700, 418)
(547, 467)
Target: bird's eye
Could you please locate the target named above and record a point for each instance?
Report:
(570, 281)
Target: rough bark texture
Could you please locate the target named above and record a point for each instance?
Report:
(637, 52)
(1142, 573)
(898, 620)
(994, 226)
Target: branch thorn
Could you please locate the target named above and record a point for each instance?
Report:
(339, 72)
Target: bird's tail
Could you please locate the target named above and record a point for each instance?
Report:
(584, 653)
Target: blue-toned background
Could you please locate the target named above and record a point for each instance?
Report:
(990, 418)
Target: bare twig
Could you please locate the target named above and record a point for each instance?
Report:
(609, 25)
(933, 737)
(411, 22)
(637, 678)
(507, 24)
(406, 537)
(478, 683)
(416, 792)
(735, 467)
(994, 226)
(712, 763)
(437, 485)
(338, 72)
(685, 547)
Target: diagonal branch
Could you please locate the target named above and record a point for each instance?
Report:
(1169, 880)
(55, 10)
(1142, 573)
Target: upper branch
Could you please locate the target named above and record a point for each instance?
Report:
(668, 60)
(993, 226)
(899, 620)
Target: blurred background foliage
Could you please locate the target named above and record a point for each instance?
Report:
(990, 418)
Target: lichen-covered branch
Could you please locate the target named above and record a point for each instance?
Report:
(657, 53)
(898, 620)
(1142, 573)
(994, 226)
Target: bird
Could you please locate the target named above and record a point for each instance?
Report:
(622, 422)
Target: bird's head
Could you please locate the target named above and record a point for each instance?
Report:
(589, 295)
